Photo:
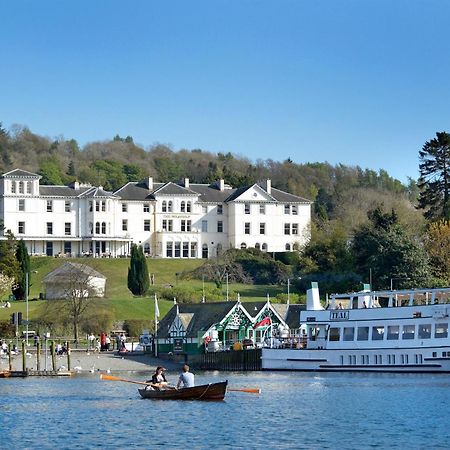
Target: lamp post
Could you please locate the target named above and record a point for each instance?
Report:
(398, 279)
(288, 293)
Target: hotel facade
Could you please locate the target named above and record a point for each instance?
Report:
(169, 220)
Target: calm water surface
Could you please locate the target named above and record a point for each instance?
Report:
(294, 410)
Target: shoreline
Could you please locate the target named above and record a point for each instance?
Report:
(88, 362)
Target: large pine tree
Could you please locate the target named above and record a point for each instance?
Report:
(23, 258)
(138, 281)
(434, 180)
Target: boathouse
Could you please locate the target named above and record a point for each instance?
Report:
(199, 327)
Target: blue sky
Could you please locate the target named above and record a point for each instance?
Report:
(358, 82)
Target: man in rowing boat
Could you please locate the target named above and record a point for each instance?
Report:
(158, 380)
(186, 378)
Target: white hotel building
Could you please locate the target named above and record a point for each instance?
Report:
(169, 220)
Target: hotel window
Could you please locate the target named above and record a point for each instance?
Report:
(294, 210)
(103, 227)
(219, 226)
(349, 333)
(264, 248)
(334, 334)
(377, 333)
(204, 226)
(21, 228)
(97, 206)
(49, 227)
(21, 204)
(185, 249)
(247, 228)
(164, 206)
(393, 332)
(243, 246)
(21, 187)
(287, 247)
(219, 209)
(124, 207)
(188, 206)
(258, 246)
(124, 225)
(287, 228)
(146, 207)
(170, 206)
(183, 206)
(28, 187)
(13, 187)
(177, 249)
(204, 209)
(425, 331)
(146, 225)
(363, 334)
(90, 206)
(67, 248)
(262, 209)
(287, 209)
(97, 227)
(67, 206)
(185, 225)
(193, 249)
(67, 228)
(441, 330)
(49, 206)
(103, 206)
(167, 225)
(262, 228)
(247, 208)
(295, 228)
(408, 331)
(169, 249)
(205, 252)
(147, 249)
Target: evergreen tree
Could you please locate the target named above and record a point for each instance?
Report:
(20, 289)
(138, 282)
(434, 180)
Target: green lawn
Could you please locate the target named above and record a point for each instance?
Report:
(124, 305)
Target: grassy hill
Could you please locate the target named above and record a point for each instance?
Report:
(123, 304)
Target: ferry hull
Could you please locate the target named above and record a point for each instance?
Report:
(394, 360)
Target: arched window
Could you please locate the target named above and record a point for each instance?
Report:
(188, 206)
(288, 247)
(183, 206)
(205, 251)
(91, 227)
(243, 245)
(147, 248)
(257, 246)
(97, 227)
(264, 248)
(219, 249)
(103, 227)
(170, 207)
(164, 206)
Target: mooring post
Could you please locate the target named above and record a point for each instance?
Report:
(68, 355)
(52, 351)
(24, 358)
(9, 357)
(38, 355)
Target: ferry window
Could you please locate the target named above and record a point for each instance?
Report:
(425, 331)
(334, 334)
(434, 354)
(408, 331)
(441, 330)
(392, 332)
(377, 333)
(363, 333)
(349, 334)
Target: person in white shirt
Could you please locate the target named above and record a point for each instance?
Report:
(186, 379)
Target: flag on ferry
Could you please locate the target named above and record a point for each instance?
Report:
(263, 323)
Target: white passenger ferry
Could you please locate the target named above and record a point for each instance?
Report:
(355, 333)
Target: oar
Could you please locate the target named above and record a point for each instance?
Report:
(249, 391)
(111, 378)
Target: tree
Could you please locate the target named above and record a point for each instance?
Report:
(434, 180)
(20, 289)
(138, 281)
(8, 262)
(6, 284)
(437, 244)
(384, 248)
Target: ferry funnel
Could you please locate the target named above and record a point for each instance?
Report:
(313, 298)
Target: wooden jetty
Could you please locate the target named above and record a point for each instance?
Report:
(232, 360)
(34, 373)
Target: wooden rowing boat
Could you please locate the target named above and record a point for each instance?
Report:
(212, 391)
(5, 374)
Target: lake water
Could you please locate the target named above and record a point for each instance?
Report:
(294, 410)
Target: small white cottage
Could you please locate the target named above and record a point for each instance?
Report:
(73, 279)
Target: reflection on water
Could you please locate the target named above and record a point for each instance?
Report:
(294, 410)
